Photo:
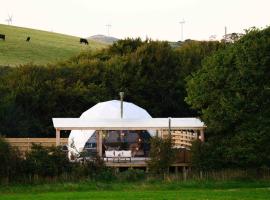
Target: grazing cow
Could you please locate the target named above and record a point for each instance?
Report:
(28, 39)
(2, 36)
(82, 40)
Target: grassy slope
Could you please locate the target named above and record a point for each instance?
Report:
(44, 47)
(139, 190)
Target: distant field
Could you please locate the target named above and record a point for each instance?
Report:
(44, 47)
(129, 191)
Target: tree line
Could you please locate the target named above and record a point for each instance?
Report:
(151, 73)
(231, 92)
(226, 84)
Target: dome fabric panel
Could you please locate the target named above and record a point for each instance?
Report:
(104, 110)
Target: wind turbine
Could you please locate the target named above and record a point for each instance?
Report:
(9, 19)
(182, 29)
(108, 28)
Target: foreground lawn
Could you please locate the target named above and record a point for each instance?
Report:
(186, 194)
(172, 190)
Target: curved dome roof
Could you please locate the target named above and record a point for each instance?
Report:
(112, 110)
(104, 110)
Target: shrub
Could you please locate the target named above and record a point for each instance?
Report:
(46, 162)
(93, 168)
(161, 155)
(132, 175)
(10, 161)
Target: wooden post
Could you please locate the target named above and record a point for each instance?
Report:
(202, 135)
(28, 144)
(57, 137)
(169, 131)
(176, 170)
(99, 143)
(184, 173)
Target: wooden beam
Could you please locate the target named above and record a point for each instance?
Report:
(58, 137)
(128, 128)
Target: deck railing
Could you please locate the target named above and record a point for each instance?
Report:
(25, 144)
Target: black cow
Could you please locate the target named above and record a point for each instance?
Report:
(2, 36)
(28, 39)
(82, 40)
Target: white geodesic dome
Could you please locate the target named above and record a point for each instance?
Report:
(104, 110)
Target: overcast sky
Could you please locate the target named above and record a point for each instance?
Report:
(157, 19)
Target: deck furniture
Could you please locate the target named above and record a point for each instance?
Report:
(118, 155)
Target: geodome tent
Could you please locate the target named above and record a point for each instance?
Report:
(104, 110)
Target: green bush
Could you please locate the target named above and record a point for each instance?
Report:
(132, 175)
(93, 168)
(161, 155)
(46, 162)
(10, 161)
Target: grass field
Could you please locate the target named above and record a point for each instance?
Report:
(44, 47)
(158, 190)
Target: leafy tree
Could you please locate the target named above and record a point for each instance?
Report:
(150, 78)
(192, 53)
(231, 91)
(126, 46)
(151, 73)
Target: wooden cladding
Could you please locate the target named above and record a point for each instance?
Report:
(24, 144)
(181, 138)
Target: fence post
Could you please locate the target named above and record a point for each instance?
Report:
(184, 173)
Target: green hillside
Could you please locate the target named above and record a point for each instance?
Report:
(44, 47)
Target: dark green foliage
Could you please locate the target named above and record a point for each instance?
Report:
(153, 81)
(10, 162)
(150, 73)
(161, 155)
(192, 53)
(132, 175)
(232, 93)
(32, 95)
(208, 157)
(42, 163)
(122, 47)
(46, 162)
(93, 168)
